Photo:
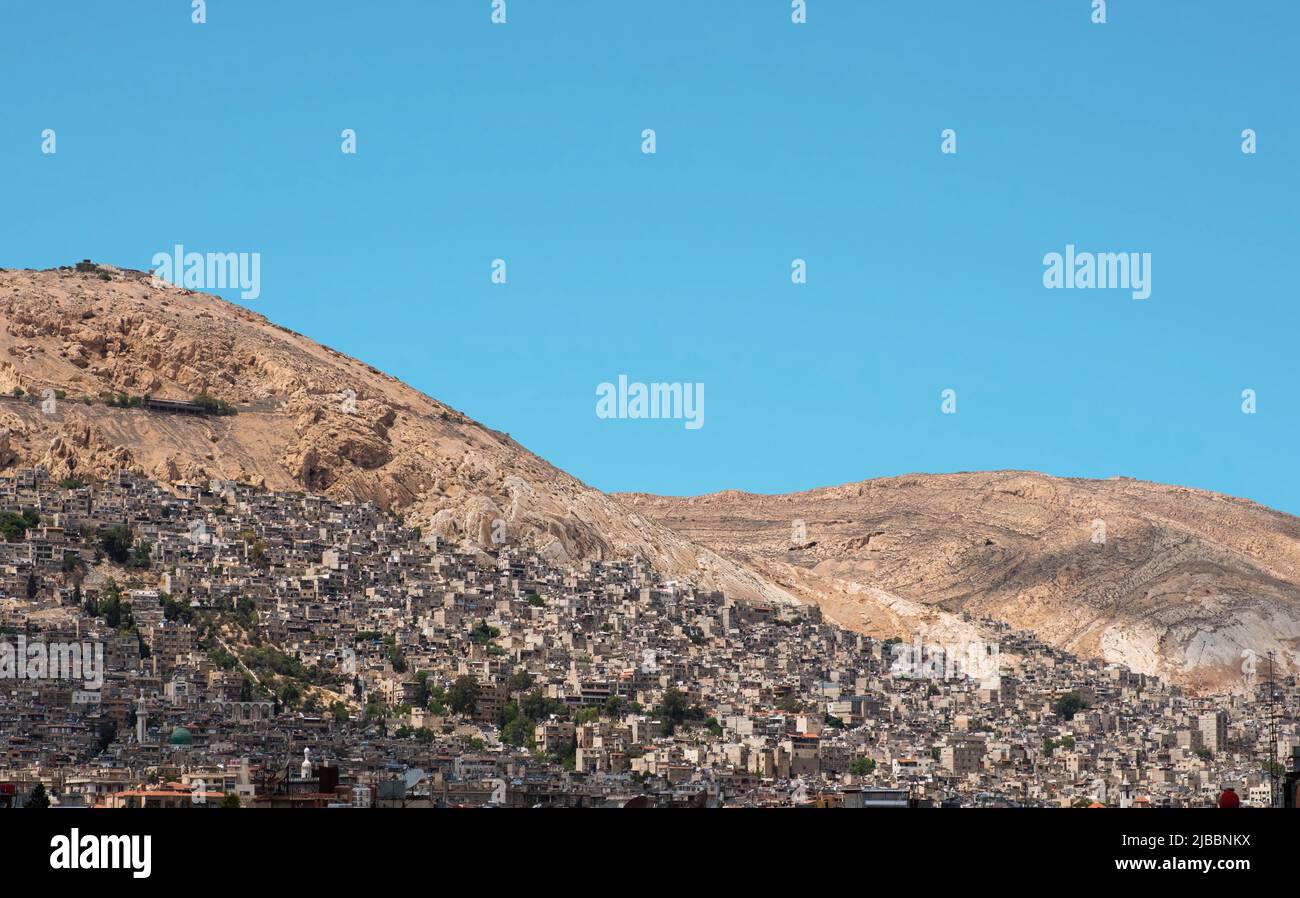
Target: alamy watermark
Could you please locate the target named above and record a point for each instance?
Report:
(40, 660)
(1100, 271)
(103, 852)
(210, 271)
(681, 401)
(919, 660)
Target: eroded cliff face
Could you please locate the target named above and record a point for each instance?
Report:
(1182, 584)
(309, 418)
(1178, 582)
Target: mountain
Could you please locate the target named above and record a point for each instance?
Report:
(1175, 582)
(308, 418)
(1178, 582)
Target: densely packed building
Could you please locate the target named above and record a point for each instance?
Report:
(280, 650)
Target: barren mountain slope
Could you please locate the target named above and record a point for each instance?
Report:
(309, 418)
(1182, 583)
(1167, 580)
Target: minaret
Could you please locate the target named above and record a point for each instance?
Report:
(306, 763)
(141, 719)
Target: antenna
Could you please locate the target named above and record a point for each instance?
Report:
(1272, 736)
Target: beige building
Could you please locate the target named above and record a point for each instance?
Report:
(1214, 730)
(962, 756)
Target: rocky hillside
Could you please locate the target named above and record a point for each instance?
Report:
(1166, 580)
(308, 418)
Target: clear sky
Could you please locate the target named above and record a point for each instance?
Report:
(775, 141)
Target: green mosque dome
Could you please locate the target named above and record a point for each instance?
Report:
(181, 736)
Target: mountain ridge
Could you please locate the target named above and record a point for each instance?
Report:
(1181, 582)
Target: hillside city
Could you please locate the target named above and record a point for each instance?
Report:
(269, 649)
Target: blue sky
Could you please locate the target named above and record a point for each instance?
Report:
(775, 141)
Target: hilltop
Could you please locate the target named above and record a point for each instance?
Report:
(307, 418)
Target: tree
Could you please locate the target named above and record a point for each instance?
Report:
(212, 405)
(421, 688)
(1069, 705)
(567, 754)
(463, 695)
(672, 708)
(230, 800)
(863, 767)
(38, 798)
(14, 526)
(110, 605)
(518, 732)
(483, 633)
(539, 707)
(107, 733)
(116, 542)
(289, 694)
(396, 658)
(614, 705)
(437, 702)
(508, 713)
(519, 681)
(140, 557)
(177, 609)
